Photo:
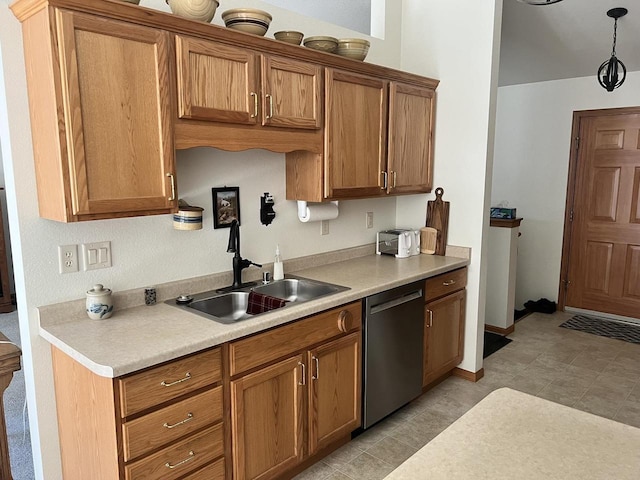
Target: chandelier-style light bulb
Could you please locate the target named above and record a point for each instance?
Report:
(612, 73)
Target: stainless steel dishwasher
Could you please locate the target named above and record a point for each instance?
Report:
(393, 346)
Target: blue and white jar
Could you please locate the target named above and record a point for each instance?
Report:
(99, 303)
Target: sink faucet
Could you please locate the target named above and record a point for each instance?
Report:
(239, 263)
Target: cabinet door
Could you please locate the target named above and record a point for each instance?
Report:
(410, 158)
(267, 420)
(292, 93)
(355, 135)
(116, 104)
(443, 335)
(216, 82)
(334, 390)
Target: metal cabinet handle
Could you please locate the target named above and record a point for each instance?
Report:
(385, 180)
(304, 374)
(254, 95)
(191, 456)
(448, 283)
(317, 375)
(173, 187)
(181, 422)
(430, 318)
(395, 176)
(270, 99)
(186, 377)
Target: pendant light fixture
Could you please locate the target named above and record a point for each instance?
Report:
(612, 73)
(539, 2)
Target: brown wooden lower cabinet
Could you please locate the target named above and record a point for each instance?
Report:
(169, 421)
(314, 390)
(444, 324)
(171, 432)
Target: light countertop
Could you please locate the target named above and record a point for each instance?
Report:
(143, 336)
(513, 435)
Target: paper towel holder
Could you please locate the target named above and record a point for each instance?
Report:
(302, 208)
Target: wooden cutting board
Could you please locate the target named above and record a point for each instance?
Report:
(438, 218)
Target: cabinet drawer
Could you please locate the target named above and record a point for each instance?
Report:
(268, 346)
(215, 471)
(152, 387)
(179, 459)
(445, 283)
(170, 423)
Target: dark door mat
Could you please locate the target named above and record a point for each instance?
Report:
(493, 342)
(604, 328)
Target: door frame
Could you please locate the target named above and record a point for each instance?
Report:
(578, 116)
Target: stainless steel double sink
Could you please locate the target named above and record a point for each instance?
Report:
(230, 307)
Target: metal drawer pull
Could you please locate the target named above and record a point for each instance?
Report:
(270, 98)
(173, 187)
(186, 377)
(182, 422)
(304, 374)
(449, 283)
(317, 375)
(395, 176)
(192, 455)
(430, 318)
(254, 95)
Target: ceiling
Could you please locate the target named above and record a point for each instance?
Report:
(565, 40)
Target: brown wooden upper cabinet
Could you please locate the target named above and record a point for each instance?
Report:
(111, 154)
(378, 140)
(410, 146)
(355, 134)
(222, 83)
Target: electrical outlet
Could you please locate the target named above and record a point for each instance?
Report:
(369, 218)
(324, 227)
(96, 255)
(68, 258)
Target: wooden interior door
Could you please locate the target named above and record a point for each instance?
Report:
(267, 420)
(604, 245)
(334, 398)
(410, 155)
(355, 135)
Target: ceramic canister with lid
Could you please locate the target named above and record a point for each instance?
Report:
(99, 303)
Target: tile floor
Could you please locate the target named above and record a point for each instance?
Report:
(584, 371)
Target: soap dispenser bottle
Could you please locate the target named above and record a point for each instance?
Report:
(278, 269)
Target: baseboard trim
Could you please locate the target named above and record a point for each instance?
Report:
(467, 375)
(500, 331)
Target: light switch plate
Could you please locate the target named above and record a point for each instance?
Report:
(369, 220)
(96, 255)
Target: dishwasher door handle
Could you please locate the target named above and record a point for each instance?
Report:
(381, 307)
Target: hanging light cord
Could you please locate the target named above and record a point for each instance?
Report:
(615, 36)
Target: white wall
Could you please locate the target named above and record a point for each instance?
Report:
(147, 250)
(457, 42)
(533, 140)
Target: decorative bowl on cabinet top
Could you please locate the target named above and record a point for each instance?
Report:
(248, 20)
(322, 43)
(202, 10)
(289, 36)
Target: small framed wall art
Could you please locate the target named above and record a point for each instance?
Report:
(226, 206)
